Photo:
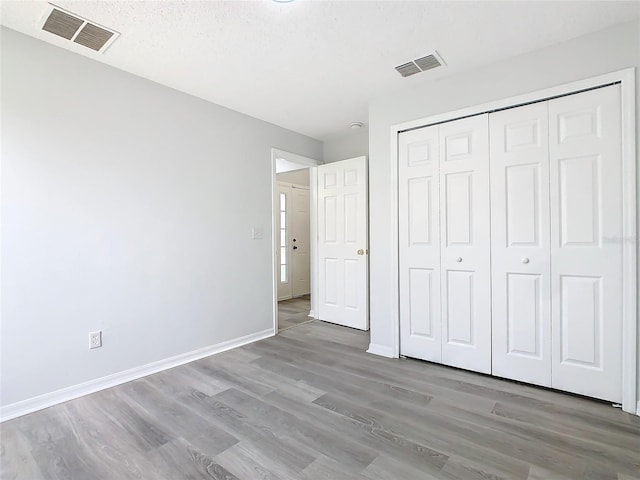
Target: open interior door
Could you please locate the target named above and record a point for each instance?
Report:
(343, 243)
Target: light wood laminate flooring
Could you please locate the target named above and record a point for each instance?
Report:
(311, 404)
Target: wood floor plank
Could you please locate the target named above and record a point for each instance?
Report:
(15, 456)
(243, 462)
(207, 466)
(385, 467)
(352, 456)
(325, 468)
(251, 432)
(568, 425)
(113, 450)
(363, 433)
(173, 415)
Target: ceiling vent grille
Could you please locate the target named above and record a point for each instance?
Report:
(421, 64)
(62, 24)
(77, 29)
(408, 69)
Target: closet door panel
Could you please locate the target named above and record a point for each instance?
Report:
(586, 242)
(419, 237)
(465, 243)
(520, 258)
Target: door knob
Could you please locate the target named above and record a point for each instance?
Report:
(361, 252)
(295, 247)
(525, 260)
(459, 259)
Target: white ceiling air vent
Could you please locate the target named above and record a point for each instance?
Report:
(421, 64)
(408, 69)
(77, 29)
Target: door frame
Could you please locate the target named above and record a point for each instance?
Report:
(626, 78)
(306, 162)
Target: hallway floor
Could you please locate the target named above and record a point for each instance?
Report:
(294, 311)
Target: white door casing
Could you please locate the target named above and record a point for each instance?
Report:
(342, 243)
(419, 237)
(520, 260)
(299, 243)
(586, 242)
(465, 243)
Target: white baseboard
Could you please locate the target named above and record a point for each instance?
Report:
(381, 350)
(312, 314)
(33, 404)
(638, 408)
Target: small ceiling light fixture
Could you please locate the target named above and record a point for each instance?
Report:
(356, 125)
(283, 1)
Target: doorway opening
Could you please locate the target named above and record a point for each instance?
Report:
(294, 217)
(293, 231)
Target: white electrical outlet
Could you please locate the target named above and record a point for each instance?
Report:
(95, 339)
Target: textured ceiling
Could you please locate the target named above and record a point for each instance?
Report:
(312, 66)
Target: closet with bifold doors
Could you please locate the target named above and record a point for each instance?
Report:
(507, 255)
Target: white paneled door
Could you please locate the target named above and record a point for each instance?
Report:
(299, 233)
(586, 242)
(419, 240)
(465, 276)
(444, 238)
(520, 262)
(342, 243)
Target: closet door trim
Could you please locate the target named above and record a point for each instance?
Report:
(626, 79)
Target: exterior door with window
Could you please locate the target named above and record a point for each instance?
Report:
(299, 245)
(284, 253)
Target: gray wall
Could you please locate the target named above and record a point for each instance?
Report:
(601, 52)
(347, 146)
(127, 207)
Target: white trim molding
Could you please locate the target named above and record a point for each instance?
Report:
(33, 404)
(381, 350)
(629, 244)
(626, 79)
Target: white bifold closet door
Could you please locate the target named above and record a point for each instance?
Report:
(525, 285)
(445, 291)
(586, 242)
(556, 205)
(465, 275)
(520, 261)
(419, 224)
